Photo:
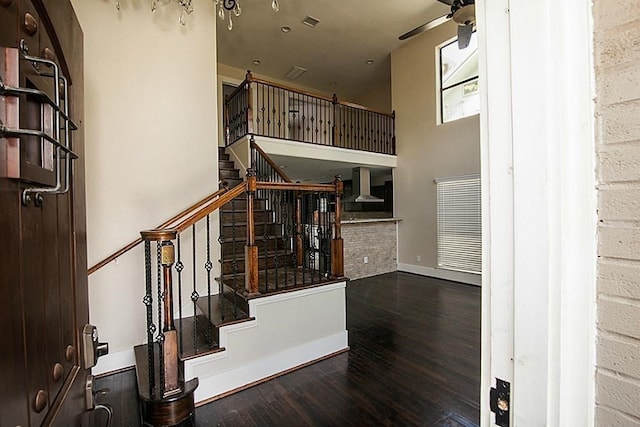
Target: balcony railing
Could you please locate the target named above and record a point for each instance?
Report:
(263, 108)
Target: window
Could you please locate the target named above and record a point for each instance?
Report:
(459, 94)
(459, 224)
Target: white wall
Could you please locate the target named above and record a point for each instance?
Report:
(425, 150)
(150, 109)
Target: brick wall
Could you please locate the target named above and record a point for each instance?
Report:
(376, 240)
(617, 62)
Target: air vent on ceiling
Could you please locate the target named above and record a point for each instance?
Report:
(310, 21)
(295, 72)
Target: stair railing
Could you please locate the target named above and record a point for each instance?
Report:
(264, 108)
(300, 244)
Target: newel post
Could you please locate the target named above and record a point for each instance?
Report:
(249, 79)
(166, 258)
(337, 244)
(251, 250)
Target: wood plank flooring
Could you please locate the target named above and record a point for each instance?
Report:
(414, 360)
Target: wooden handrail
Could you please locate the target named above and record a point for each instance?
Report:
(237, 89)
(292, 89)
(165, 224)
(294, 186)
(265, 156)
(333, 100)
(362, 107)
(217, 204)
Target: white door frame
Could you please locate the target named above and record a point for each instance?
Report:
(539, 209)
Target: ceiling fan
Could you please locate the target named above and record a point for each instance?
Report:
(463, 13)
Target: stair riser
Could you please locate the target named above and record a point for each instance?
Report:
(226, 164)
(240, 231)
(229, 174)
(229, 248)
(240, 204)
(227, 266)
(241, 217)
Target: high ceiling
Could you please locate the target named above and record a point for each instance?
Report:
(350, 33)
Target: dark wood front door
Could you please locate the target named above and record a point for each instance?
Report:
(43, 280)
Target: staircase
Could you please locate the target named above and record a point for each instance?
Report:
(275, 237)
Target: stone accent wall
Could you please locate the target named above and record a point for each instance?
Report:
(617, 64)
(376, 240)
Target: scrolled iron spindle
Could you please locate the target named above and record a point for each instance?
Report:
(151, 328)
(167, 338)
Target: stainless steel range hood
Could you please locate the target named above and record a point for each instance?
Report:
(361, 187)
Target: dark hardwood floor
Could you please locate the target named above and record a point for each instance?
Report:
(414, 360)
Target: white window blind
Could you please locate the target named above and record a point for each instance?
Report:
(459, 224)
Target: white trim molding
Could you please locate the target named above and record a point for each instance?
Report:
(439, 273)
(538, 158)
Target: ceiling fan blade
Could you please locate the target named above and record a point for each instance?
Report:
(424, 27)
(464, 35)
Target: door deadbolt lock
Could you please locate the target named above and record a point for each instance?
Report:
(92, 347)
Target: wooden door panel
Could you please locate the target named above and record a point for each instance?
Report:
(8, 21)
(13, 409)
(33, 288)
(43, 256)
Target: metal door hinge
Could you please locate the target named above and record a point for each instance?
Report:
(500, 402)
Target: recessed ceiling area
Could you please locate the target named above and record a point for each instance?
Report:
(323, 171)
(336, 50)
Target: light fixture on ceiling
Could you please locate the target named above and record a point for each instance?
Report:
(285, 29)
(232, 7)
(256, 61)
(370, 61)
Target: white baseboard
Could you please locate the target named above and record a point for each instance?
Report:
(456, 276)
(114, 362)
(257, 370)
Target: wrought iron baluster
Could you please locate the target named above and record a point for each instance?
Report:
(179, 266)
(194, 293)
(151, 328)
(160, 303)
(208, 267)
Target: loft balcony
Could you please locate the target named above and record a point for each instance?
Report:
(261, 108)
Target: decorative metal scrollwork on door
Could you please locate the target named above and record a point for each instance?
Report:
(58, 105)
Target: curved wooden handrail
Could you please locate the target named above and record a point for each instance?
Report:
(275, 167)
(215, 205)
(237, 89)
(195, 207)
(362, 107)
(317, 95)
(292, 89)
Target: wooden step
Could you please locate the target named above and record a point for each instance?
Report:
(239, 216)
(288, 280)
(226, 164)
(240, 204)
(232, 182)
(222, 154)
(239, 231)
(269, 243)
(284, 258)
(198, 336)
(228, 173)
